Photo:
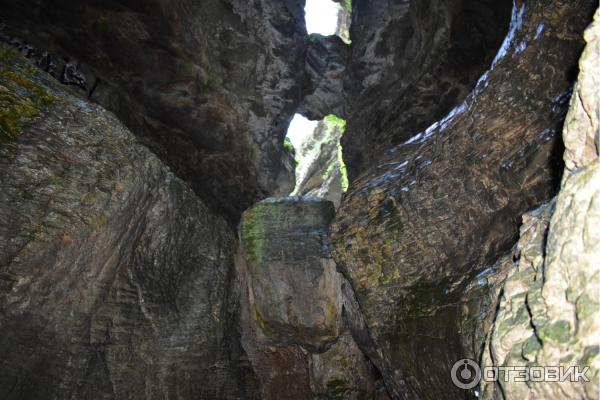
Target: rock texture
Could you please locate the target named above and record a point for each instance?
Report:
(581, 134)
(549, 310)
(121, 276)
(416, 229)
(293, 305)
(295, 286)
(326, 59)
(113, 274)
(209, 86)
(320, 171)
(411, 62)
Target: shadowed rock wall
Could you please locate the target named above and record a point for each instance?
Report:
(416, 228)
(411, 62)
(549, 309)
(113, 274)
(123, 279)
(209, 86)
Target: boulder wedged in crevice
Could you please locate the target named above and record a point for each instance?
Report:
(415, 229)
(411, 62)
(292, 302)
(325, 68)
(209, 86)
(113, 274)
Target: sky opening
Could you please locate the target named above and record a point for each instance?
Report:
(300, 128)
(321, 16)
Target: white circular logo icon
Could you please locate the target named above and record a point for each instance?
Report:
(466, 374)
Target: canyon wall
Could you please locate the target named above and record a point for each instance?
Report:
(114, 275)
(139, 259)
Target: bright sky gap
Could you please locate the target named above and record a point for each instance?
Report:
(321, 17)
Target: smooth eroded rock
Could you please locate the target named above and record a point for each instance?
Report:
(414, 230)
(294, 282)
(113, 273)
(209, 86)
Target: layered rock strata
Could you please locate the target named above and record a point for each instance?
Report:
(293, 305)
(113, 274)
(209, 86)
(437, 209)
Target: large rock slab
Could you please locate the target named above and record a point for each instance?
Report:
(113, 274)
(209, 86)
(293, 280)
(410, 63)
(415, 230)
(549, 314)
(293, 304)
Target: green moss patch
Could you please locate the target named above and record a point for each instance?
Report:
(22, 99)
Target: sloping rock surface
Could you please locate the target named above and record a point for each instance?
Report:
(209, 86)
(411, 63)
(113, 274)
(436, 210)
(549, 314)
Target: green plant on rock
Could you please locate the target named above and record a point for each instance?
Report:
(288, 146)
(21, 98)
(347, 4)
(333, 121)
(343, 169)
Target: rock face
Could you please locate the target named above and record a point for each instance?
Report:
(293, 300)
(121, 275)
(113, 274)
(295, 286)
(326, 59)
(581, 134)
(548, 314)
(411, 62)
(209, 86)
(416, 229)
(320, 170)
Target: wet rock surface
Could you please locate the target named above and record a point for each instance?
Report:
(548, 314)
(209, 86)
(113, 274)
(413, 231)
(411, 62)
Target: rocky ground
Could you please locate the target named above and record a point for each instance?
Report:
(148, 249)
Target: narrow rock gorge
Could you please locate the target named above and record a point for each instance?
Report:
(435, 234)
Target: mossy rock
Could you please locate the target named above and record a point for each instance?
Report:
(22, 97)
(559, 332)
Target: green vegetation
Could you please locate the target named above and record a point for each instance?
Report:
(333, 122)
(21, 98)
(288, 146)
(347, 4)
(343, 169)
